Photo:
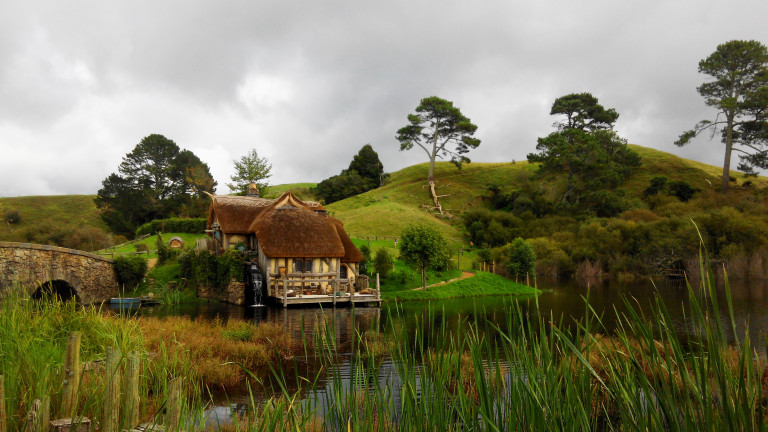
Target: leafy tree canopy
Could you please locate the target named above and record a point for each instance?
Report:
(250, 169)
(365, 172)
(582, 111)
(436, 126)
(423, 247)
(591, 154)
(521, 258)
(739, 92)
(156, 180)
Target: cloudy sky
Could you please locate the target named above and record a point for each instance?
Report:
(307, 83)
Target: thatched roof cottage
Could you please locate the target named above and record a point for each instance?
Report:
(299, 248)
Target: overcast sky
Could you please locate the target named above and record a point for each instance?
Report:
(307, 83)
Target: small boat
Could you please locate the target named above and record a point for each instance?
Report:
(125, 301)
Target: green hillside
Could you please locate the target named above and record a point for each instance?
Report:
(386, 210)
(49, 219)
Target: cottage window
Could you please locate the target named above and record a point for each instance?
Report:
(343, 272)
(308, 266)
(297, 265)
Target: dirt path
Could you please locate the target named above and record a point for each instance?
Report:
(151, 263)
(464, 275)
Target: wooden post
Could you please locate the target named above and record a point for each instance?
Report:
(110, 420)
(131, 391)
(285, 291)
(334, 288)
(378, 289)
(3, 415)
(173, 410)
(71, 378)
(528, 279)
(44, 417)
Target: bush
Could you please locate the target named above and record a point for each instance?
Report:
(12, 216)
(521, 259)
(366, 251)
(129, 270)
(682, 190)
(177, 225)
(87, 238)
(383, 262)
(163, 251)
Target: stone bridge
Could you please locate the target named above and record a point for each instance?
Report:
(44, 270)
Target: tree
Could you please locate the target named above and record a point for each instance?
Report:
(250, 169)
(156, 180)
(435, 127)
(383, 262)
(582, 111)
(739, 92)
(423, 247)
(521, 259)
(365, 172)
(591, 154)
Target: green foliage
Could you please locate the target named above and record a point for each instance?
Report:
(658, 184)
(521, 259)
(250, 169)
(241, 332)
(365, 172)
(129, 270)
(173, 225)
(582, 111)
(163, 251)
(423, 247)
(483, 284)
(739, 93)
(365, 264)
(437, 124)
(383, 263)
(212, 270)
(682, 190)
(488, 228)
(156, 180)
(12, 216)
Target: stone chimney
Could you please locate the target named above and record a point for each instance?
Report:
(253, 190)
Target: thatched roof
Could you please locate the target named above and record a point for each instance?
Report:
(235, 213)
(287, 228)
(351, 252)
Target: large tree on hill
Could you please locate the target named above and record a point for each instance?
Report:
(436, 127)
(156, 180)
(585, 147)
(739, 92)
(250, 169)
(365, 172)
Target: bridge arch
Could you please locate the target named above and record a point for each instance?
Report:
(87, 277)
(58, 289)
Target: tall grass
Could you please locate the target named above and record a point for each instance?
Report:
(532, 374)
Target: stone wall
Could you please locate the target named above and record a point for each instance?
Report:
(28, 265)
(233, 293)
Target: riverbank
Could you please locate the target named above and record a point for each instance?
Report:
(482, 284)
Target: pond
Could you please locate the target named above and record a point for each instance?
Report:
(562, 303)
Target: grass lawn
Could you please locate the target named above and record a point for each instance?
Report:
(483, 284)
(189, 243)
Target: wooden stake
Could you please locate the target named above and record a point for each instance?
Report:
(3, 415)
(71, 375)
(173, 410)
(110, 420)
(131, 392)
(44, 417)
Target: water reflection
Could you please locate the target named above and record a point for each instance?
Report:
(562, 303)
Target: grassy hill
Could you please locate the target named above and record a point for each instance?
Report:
(55, 215)
(387, 210)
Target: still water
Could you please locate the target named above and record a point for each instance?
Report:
(562, 303)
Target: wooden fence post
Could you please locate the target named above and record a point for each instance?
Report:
(131, 392)
(110, 421)
(3, 420)
(173, 410)
(71, 378)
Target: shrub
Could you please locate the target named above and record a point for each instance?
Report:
(87, 238)
(12, 216)
(163, 251)
(521, 259)
(383, 262)
(658, 184)
(366, 251)
(141, 247)
(129, 270)
(682, 190)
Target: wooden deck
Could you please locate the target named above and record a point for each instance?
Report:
(328, 300)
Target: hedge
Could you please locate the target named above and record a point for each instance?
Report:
(174, 225)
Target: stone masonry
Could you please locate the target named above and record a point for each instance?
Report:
(28, 265)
